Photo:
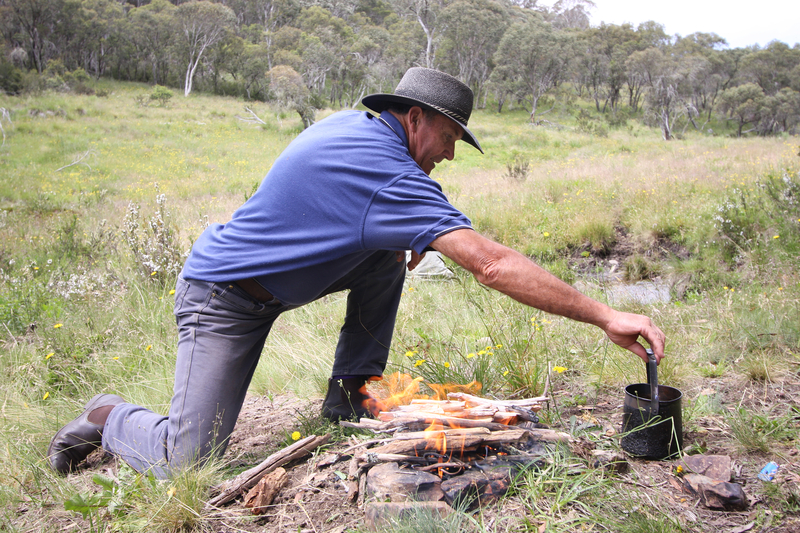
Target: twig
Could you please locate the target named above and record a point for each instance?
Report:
(10, 334)
(4, 115)
(361, 445)
(79, 160)
(253, 118)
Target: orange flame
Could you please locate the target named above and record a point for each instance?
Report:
(396, 389)
(372, 403)
(442, 390)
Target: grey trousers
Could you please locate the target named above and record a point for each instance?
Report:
(221, 334)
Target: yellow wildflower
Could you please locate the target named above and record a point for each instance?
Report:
(149, 347)
(172, 292)
(446, 364)
(154, 272)
(546, 234)
(56, 326)
(48, 356)
(506, 373)
(409, 354)
(46, 396)
(296, 435)
(559, 369)
(776, 236)
(419, 362)
(470, 355)
(499, 346)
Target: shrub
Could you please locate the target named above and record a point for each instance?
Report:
(10, 78)
(161, 95)
(517, 169)
(155, 247)
(589, 124)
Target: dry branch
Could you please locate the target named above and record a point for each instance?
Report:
(252, 119)
(79, 160)
(248, 479)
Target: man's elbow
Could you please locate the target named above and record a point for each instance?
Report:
(487, 270)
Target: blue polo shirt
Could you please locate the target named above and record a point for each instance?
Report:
(344, 188)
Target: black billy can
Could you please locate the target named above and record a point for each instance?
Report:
(651, 417)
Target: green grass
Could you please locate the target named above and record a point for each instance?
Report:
(81, 314)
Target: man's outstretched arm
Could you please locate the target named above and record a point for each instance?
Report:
(513, 274)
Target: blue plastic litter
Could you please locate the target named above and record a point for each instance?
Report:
(768, 472)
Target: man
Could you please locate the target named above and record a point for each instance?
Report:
(337, 211)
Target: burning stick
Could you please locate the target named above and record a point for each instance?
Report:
(534, 404)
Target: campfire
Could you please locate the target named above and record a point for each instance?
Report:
(453, 448)
(472, 445)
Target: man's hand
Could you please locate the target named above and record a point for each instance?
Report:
(625, 328)
(413, 262)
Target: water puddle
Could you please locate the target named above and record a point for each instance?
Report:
(617, 291)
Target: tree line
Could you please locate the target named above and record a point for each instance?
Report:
(309, 54)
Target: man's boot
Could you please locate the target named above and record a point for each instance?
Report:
(75, 441)
(345, 399)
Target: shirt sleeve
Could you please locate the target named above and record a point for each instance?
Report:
(409, 214)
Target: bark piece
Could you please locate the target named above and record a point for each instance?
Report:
(473, 488)
(261, 496)
(713, 494)
(610, 461)
(390, 481)
(717, 467)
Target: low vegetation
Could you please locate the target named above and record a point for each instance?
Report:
(102, 196)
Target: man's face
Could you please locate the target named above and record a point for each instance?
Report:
(432, 139)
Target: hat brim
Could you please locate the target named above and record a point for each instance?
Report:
(379, 102)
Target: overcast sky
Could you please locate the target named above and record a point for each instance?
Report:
(741, 23)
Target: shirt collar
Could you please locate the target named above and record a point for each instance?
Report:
(391, 121)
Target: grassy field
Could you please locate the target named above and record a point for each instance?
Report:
(101, 197)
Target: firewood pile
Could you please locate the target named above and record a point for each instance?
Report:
(445, 437)
(459, 438)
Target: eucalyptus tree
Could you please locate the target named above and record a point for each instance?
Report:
(572, 13)
(771, 67)
(706, 67)
(600, 64)
(201, 25)
(363, 63)
(35, 21)
(427, 14)
(473, 30)
(534, 58)
(270, 15)
(662, 77)
(324, 49)
(742, 104)
(780, 112)
(89, 31)
(290, 91)
(150, 29)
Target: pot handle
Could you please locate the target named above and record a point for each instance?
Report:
(652, 380)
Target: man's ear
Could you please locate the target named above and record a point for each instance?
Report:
(415, 115)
